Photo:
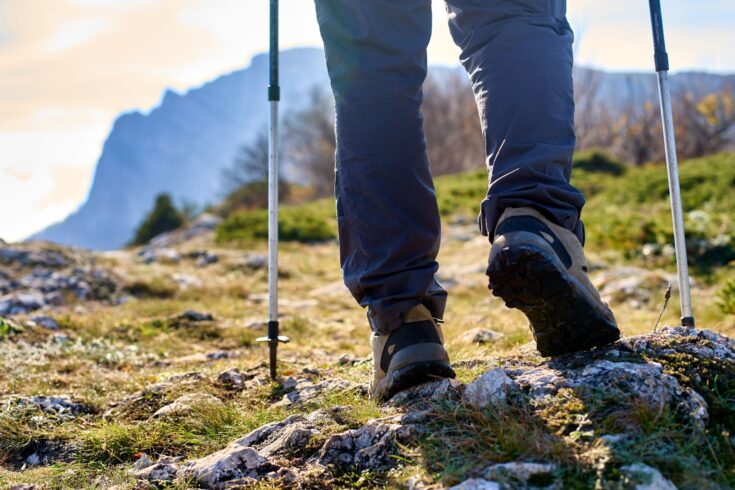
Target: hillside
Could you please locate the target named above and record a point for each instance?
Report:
(138, 368)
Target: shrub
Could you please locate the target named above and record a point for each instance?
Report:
(306, 223)
(162, 218)
(727, 298)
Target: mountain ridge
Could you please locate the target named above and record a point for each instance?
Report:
(183, 144)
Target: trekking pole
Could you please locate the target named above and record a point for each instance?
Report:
(274, 96)
(661, 59)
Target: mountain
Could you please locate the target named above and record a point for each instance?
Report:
(181, 147)
(183, 144)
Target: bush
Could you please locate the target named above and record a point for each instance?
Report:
(727, 298)
(162, 218)
(307, 223)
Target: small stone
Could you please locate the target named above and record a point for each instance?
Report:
(480, 336)
(492, 388)
(33, 460)
(476, 484)
(46, 322)
(196, 316)
(232, 379)
(143, 462)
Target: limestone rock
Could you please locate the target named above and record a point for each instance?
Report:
(434, 390)
(186, 404)
(235, 462)
(476, 484)
(46, 322)
(233, 379)
(633, 286)
(304, 389)
(491, 388)
(643, 477)
(158, 474)
(520, 472)
(368, 447)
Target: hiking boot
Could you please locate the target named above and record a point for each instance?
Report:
(410, 355)
(539, 268)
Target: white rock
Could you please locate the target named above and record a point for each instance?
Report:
(186, 404)
(476, 484)
(645, 477)
(232, 463)
(491, 388)
(518, 471)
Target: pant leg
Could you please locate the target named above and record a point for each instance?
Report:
(389, 228)
(518, 54)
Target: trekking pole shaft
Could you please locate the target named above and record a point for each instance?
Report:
(661, 59)
(273, 178)
(675, 194)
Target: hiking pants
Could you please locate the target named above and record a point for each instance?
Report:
(518, 54)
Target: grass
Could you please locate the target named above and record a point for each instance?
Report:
(112, 352)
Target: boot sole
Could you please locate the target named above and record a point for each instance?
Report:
(562, 315)
(415, 374)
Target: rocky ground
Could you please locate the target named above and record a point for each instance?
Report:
(138, 369)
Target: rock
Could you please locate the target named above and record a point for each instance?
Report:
(255, 261)
(159, 474)
(480, 336)
(235, 462)
(195, 316)
(186, 280)
(492, 388)
(19, 303)
(61, 406)
(233, 379)
(631, 383)
(142, 462)
(27, 256)
(46, 322)
(634, 286)
(538, 474)
(25, 486)
(186, 404)
(434, 390)
(476, 484)
(304, 389)
(206, 259)
(153, 254)
(147, 401)
(643, 477)
(368, 447)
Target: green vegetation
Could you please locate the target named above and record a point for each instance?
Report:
(311, 222)
(162, 218)
(727, 298)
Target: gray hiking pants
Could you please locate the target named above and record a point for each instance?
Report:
(518, 54)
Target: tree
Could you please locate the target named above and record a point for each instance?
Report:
(163, 217)
(246, 182)
(310, 143)
(451, 125)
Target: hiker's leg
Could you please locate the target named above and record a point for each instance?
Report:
(389, 228)
(519, 58)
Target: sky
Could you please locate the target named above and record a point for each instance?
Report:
(68, 67)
